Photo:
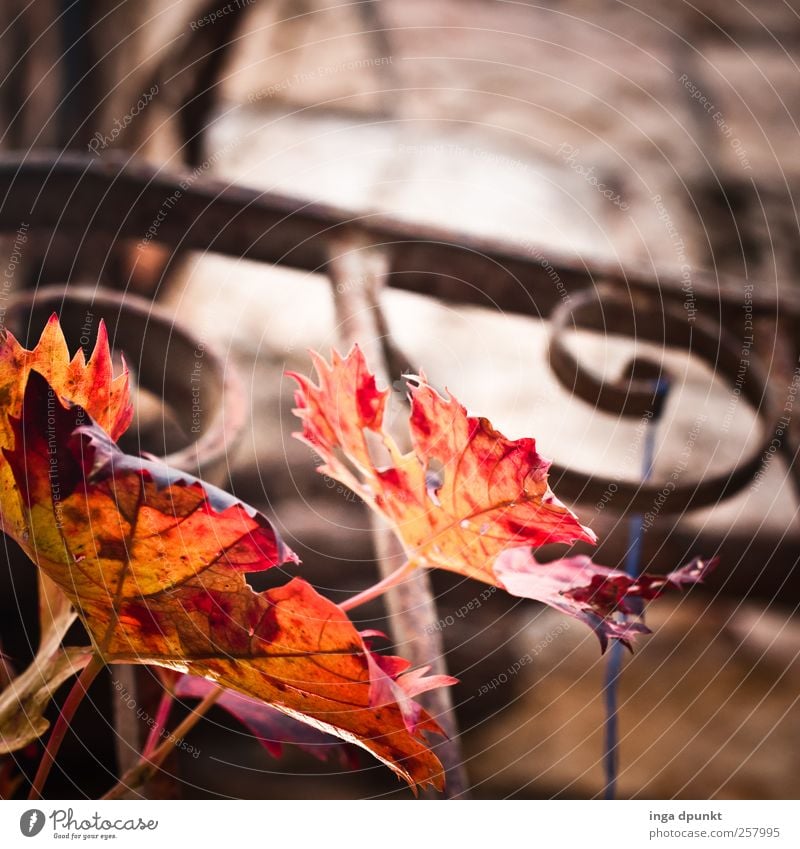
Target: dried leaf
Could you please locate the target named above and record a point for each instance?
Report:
(465, 498)
(460, 497)
(154, 561)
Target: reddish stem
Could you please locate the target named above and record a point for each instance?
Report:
(79, 689)
(391, 580)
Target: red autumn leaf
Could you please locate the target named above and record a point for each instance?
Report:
(464, 498)
(267, 724)
(154, 562)
(105, 397)
(577, 586)
(395, 681)
(460, 497)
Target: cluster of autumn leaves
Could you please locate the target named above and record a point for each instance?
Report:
(153, 561)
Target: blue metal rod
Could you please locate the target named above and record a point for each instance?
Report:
(633, 561)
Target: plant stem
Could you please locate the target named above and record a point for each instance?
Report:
(148, 765)
(356, 270)
(378, 589)
(79, 689)
(162, 716)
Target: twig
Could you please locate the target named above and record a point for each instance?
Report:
(147, 766)
(378, 589)
(79, 689)
(356, 271)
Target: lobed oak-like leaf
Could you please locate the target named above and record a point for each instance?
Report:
(464, 498)
(462, 495)
(154, 561)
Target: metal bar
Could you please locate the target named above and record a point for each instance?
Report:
(633, 567)
(83, 194)
(356, 273)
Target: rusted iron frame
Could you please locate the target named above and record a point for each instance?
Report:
(86, 195)
(76, 194)
(638, 397)
(112, 195)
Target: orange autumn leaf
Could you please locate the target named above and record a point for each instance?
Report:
(154, 561)
(106, 398)
(460, 497)
(464, 498)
